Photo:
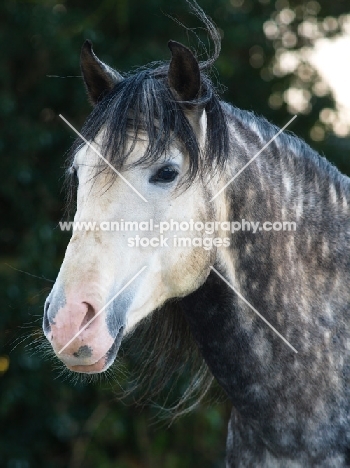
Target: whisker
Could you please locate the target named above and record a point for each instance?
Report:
(29, 274)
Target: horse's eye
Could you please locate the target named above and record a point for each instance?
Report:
(164, 175)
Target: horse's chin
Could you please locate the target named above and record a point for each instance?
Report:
(97, 367)
(104, 362)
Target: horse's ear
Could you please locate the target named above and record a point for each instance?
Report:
(99, 78)
(184, 74)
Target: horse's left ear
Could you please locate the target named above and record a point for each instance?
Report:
(184, 74)
(99, 78)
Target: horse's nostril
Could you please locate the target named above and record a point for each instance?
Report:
(46, 323)
(90, 314)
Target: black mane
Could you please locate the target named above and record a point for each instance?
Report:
(143, 102)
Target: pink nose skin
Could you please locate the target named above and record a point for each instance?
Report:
(81, 320)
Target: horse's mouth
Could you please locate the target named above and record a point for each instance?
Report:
(103, 363)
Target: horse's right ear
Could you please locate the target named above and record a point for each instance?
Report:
(98, 77)
(183, 75)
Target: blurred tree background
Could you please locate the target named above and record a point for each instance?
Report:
(45, 419)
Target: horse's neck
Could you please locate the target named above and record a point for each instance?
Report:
(301, 192)
(289, 277)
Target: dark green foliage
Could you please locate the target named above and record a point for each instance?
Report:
(45, 420)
